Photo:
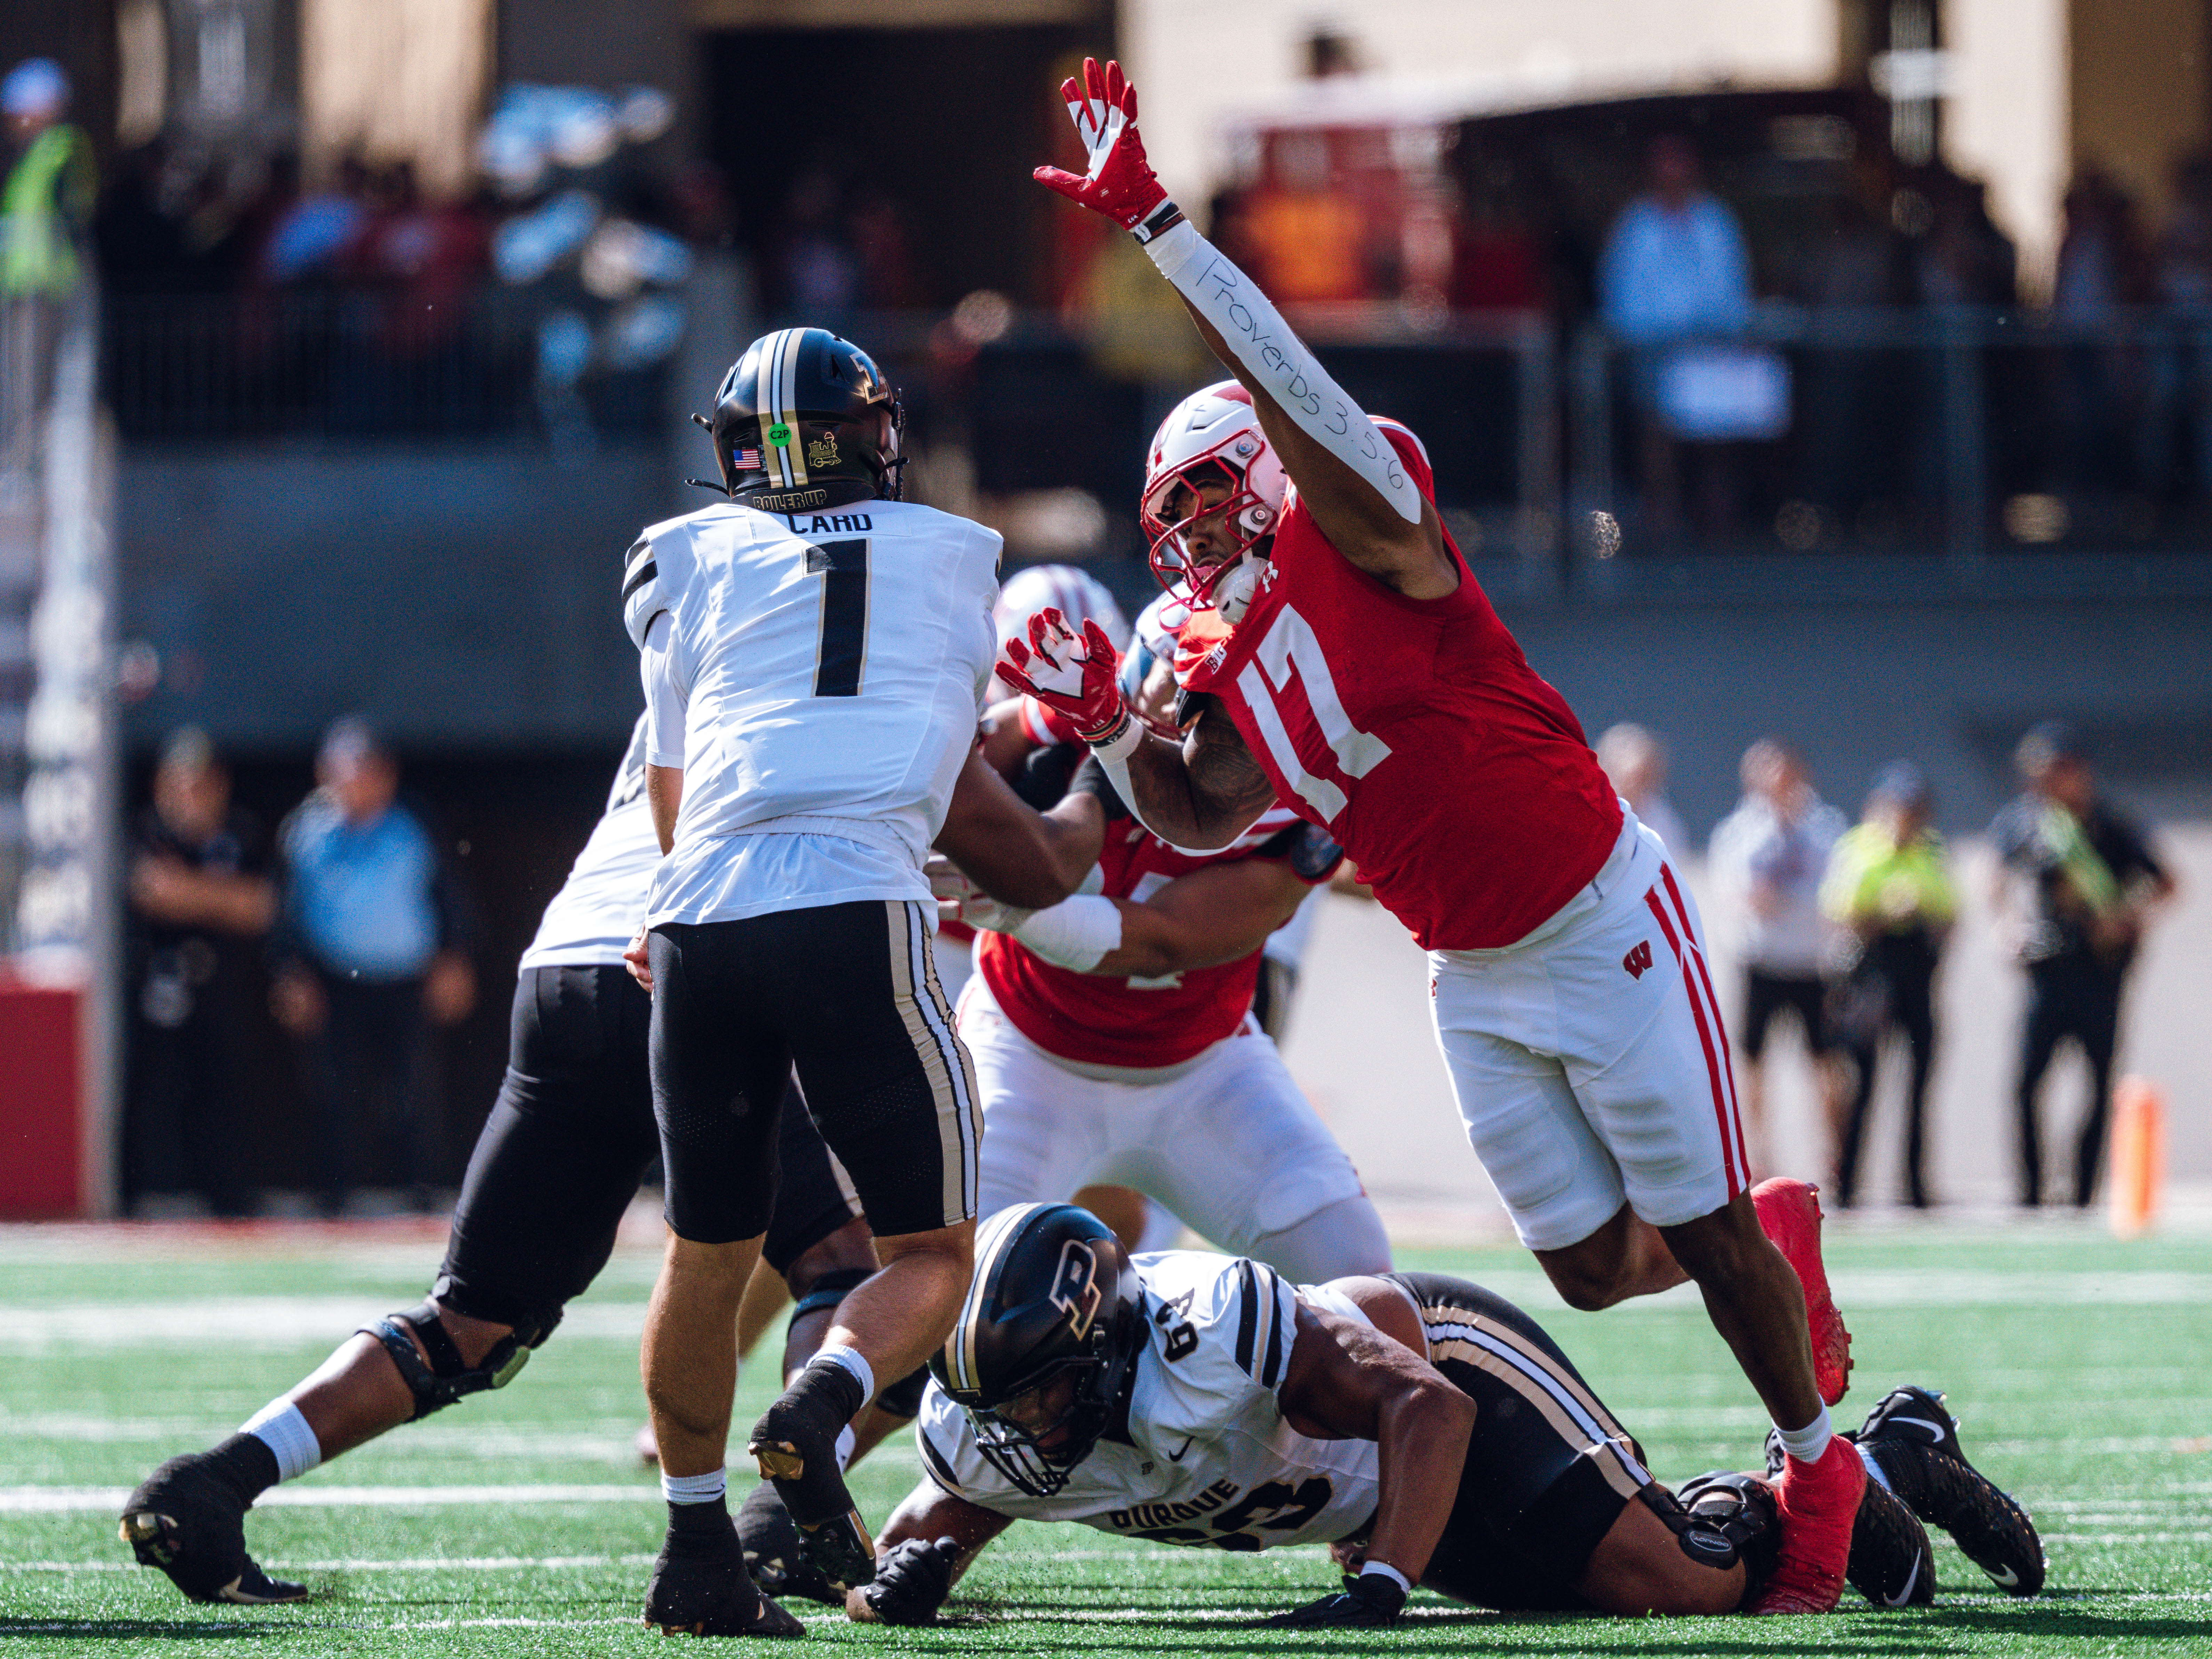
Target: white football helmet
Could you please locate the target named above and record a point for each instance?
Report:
(1080, 596)
(1211, 435)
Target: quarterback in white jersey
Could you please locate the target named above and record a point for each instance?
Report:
(814, 653)
(1424, 1429)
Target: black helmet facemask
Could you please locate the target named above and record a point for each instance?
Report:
(1053, 1298)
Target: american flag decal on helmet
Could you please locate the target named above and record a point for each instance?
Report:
(748, 460)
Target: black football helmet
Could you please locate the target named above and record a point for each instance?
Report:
(1054, 1293)
(804, 421)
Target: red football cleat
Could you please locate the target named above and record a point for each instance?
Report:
(1818, 1503)
(1790, 1216)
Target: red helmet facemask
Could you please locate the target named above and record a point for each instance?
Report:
(1174, 505)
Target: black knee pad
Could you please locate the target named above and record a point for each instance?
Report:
(446, 1378)
(903, 1398)
(830, 1289)
(1721, 1518)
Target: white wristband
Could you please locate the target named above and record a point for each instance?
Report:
(1385, 1570)
(1123, 743)
(1262, 342)
(1076, 933)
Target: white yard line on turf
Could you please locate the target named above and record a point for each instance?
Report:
(22, 1500)
(420, 1564)
(256, 1323)
(525, 1562)
(267, 1323)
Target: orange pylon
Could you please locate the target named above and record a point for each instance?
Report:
(2138, 1155)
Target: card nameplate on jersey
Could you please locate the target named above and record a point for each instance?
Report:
(827, 524)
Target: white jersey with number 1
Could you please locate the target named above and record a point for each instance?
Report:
(819, 677)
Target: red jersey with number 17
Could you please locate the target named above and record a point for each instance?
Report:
(1414, 730)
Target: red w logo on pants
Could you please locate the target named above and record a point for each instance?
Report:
(1639, 959)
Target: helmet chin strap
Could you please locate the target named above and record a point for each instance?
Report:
(1238, 588)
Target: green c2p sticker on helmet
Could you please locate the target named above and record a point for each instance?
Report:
(779, 434)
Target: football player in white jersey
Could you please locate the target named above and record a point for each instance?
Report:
(1424, 1429)
(558, 1161)
(815, 653)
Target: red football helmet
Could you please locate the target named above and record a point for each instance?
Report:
(1213, 436)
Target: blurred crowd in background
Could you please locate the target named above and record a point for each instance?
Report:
(354, 926)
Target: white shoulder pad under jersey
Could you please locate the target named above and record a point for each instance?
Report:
(657, 570)
(833, 664)
(1208, 1461)
(598, 909)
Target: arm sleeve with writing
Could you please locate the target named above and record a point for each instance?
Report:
(1263, 343)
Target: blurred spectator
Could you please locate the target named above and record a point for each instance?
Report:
(2183, 374)
(1892, 903)
(427, 256)
(1636, 762)
(199, 892)
(1769, 855)
(1307, 240)
(48, 198)
(2103, 267)
(316, 236)
(2087, 883)
(1964, 259)
(1674, 268)
(45, 203)
(372, 954)
(1859, 261)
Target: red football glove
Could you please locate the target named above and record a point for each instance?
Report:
(1071, 673)
(1119, 183)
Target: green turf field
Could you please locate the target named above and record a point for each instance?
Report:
(2081, 1368)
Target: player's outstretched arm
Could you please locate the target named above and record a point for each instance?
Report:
(1012, 852)
(1216, 914)
(1199, 795)
(1348, 475)
(1350, 1382)
(929, 1541)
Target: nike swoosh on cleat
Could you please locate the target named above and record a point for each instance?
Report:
(1934, 1432)
(2005, 1577)
(1911, 1579)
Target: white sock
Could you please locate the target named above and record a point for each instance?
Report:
(1809, 1444)
(846, 1441)
(854, 1361)
(695, 1488)
(279, 1426)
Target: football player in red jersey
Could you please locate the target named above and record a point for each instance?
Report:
(1357, 673)
(1113, 1038)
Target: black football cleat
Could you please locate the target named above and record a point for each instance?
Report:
(190, 1521)
(773, 1556)
(1892, 1563)
(700, 1588)
(795, 1443)
(1914, 1442)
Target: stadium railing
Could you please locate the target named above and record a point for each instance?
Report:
(1951, 436)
